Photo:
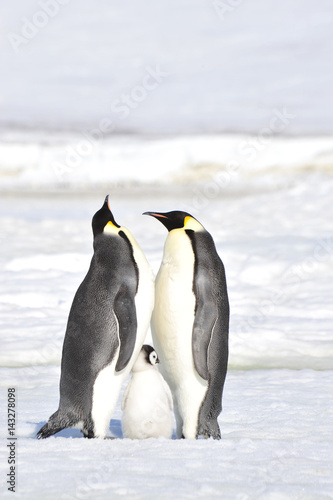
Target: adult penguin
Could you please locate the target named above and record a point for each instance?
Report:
(106, 328)
(190, 324)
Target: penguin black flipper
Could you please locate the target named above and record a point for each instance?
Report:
(125, 311)
(204, 323)
(206, 308)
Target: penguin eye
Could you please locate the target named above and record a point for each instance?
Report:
(153, 358)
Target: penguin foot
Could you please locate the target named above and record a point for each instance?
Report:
(88, 436)
(209, 430)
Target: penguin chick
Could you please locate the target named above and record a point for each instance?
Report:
(147, 402)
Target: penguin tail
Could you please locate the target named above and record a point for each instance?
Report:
(54, 425)
(47, 431)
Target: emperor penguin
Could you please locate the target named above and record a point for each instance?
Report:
(106, 328)
(147, 402)
(190, 324)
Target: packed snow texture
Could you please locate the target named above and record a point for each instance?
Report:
(276, 444)
(276, 243)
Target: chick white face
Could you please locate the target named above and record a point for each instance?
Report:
(153, 358)
(146, 360)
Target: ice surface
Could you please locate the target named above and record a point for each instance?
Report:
(276, 444)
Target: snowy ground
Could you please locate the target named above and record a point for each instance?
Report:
(274, 234)
(276, 444)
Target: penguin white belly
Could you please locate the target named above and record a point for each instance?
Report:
(105, 395)
(144, 299)
(146, 407)
(172, 324)
(108, 382)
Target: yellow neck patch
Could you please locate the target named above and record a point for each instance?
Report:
(192, 223)
(110, 228)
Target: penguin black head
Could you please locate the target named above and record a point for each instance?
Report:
(147, 358)
(103, 217)
(150, 354)
(176, 220)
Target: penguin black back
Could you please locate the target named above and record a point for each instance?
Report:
(210, 328)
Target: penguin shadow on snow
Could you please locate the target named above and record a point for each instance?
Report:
(114, 428)
(65, 433)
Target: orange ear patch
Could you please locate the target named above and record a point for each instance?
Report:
(158, 215)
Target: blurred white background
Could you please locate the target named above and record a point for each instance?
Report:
(222, 66)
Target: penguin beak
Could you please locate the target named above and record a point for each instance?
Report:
(155, 214)
(163, 218)
(107, 202)
(112, 220)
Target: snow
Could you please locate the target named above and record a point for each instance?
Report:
(276, 241)
(211, 163)
(276, 444)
